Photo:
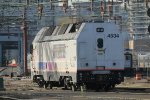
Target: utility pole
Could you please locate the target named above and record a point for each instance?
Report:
(92, 6)
(24, 29)
(53, 11)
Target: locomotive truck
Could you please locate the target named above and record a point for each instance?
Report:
(76, 55)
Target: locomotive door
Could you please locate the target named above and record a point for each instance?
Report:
(82, 53)
(100, 51)
(128, 60)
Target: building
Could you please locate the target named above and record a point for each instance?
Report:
(138, 19)
(12, 15)
(138, 27)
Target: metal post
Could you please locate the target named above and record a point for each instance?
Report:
(147, 72)
(53, 10)
(147, 69)
(24, 28)
(92, 6)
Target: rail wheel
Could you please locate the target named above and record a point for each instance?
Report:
(67, 85)
(41, 84)
(112, 86)
(50, 85)
(46, 84)
(106, 87)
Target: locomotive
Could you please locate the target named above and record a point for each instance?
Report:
(78, 55)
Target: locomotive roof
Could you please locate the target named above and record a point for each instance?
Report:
(60, 32)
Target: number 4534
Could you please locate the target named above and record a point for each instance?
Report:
(113, 35)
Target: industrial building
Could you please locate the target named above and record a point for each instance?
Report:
(13, 14)
(138, 27)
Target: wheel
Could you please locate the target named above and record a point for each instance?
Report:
(106, 88)
(67, 85)
(41, 84)
(46, 84)
(50, 83)
(112, 86)
(97, 89)
(51, 86)
(34, 78)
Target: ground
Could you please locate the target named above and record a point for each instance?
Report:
(24, 88)
(25, 83)
(133, 83)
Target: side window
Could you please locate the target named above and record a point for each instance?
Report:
(75, 27)
(127, 57)
(99, 43)
(59, 51)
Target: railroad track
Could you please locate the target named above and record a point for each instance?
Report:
(58, 94)
(133, 90)
(68, 95)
